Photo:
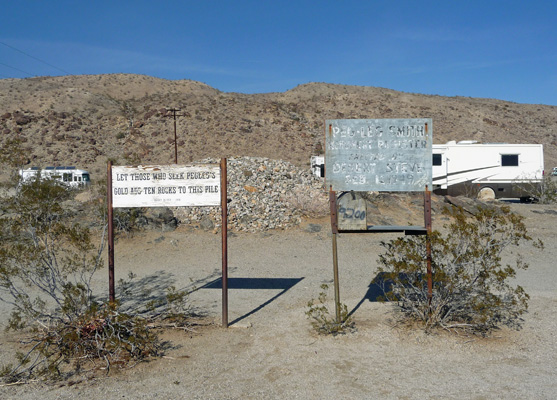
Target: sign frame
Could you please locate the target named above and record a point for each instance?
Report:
(382, 155)
(378, 154)
(218, 175)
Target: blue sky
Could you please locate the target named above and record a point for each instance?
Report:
(496, 49)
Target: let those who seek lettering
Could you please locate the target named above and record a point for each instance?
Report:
(165, 185)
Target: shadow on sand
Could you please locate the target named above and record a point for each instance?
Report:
(282, 284)
(376, 290)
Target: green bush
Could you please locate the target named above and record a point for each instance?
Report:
(43, 247)
(472, 291)
(322, 320)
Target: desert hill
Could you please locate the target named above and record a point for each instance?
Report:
(86, 120)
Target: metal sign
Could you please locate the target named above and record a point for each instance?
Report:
(352, 212)
(378, 154)
(166, 185)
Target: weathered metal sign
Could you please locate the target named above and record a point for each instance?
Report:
(351, 212)
(166, 185)
(378, 154)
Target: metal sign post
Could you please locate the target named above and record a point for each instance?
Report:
(168, 186)
(383, 155)
(111, 291)
(334, 228)
(224, 232)
(427, 222)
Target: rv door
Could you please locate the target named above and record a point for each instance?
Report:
(440, 169)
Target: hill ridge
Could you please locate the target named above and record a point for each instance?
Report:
(86, 120)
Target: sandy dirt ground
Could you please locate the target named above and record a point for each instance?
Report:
(270, 350)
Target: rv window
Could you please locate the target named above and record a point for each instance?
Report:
(437, 159)
(85, 177)
(509, 160)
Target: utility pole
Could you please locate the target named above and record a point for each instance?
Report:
(174, 111)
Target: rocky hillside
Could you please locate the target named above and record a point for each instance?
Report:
(86, 120)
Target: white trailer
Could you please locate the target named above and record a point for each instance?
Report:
(486, 170)
(317, 165)
(489, 170)
(69, 176)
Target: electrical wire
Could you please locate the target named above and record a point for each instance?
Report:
(34, 58)
(17, 69)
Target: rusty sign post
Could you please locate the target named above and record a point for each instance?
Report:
(379, 155)
(194, 185)
(111, 292)
(427, 222)
(334, 228)
(224, 233)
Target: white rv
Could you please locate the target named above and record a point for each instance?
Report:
(490, 170)
(69, 176)
(317, 165)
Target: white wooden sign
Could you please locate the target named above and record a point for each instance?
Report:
(166, 185)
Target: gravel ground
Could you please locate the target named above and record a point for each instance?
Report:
(270, 350)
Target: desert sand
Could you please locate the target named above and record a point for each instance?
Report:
(270, 350)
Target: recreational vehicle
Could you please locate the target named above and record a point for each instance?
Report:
(69, 176)
(318, 166)
(490, 170)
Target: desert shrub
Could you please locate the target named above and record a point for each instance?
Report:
(125, 220)
(472, 291)
(12, 153)
(101, 338)
(168, 309)
(47, 261)
(544, 192)
(310, 203)
(322, 320)
(42, 246)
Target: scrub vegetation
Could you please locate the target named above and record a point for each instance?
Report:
(546, 191)
(323, 321)
(47, 262)
(473, 291)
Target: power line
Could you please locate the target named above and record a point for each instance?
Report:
(174, 111)
(35, 58)
(17, 69)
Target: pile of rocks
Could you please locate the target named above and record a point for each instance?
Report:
(268, 194)
(262, 194)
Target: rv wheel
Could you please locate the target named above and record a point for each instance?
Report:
(486, 193)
